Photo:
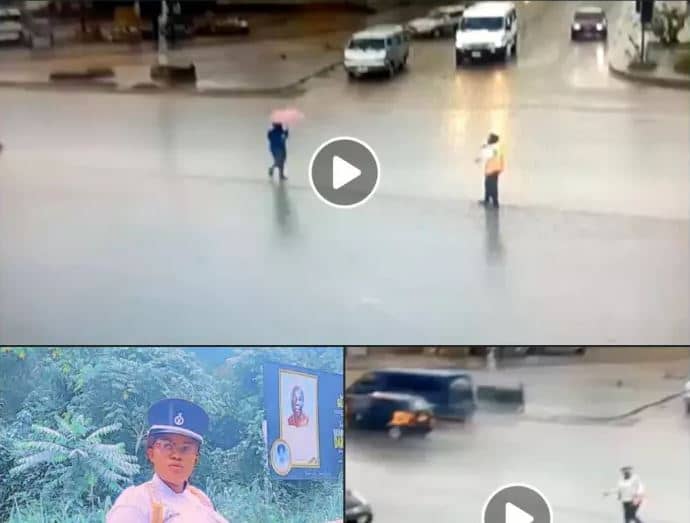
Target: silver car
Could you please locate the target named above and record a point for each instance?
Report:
(379, 49)
(441, 21)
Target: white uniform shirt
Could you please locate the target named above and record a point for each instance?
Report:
(134, 505)
(629, 489)
(487, 152)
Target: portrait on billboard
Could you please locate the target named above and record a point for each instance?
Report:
(299, 418)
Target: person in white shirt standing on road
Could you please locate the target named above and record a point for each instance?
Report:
(492, 156)
(630, 492)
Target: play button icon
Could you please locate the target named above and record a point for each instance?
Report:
(517, 503)
(344, 172)
(515, 514)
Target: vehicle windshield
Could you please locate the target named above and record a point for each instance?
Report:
(368, 43)
(436, 14)
(485, 23)
(589, 17)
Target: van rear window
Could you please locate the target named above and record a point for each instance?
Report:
(368, 43)
(482, 23)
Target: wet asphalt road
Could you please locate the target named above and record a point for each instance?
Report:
(448, 476)
(139, 219)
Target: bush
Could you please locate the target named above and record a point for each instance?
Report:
(667, 23)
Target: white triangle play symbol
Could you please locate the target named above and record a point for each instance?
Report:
(343, 172)
(517, 515)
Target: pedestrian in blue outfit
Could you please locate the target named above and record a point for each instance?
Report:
(277, 138)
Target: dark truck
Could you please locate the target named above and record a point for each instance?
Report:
(450, 392)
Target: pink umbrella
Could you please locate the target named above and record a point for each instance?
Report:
(287, 116)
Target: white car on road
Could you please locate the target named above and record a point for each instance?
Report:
(487, 30)
(438, 22)
(383, 48)
(11, 27)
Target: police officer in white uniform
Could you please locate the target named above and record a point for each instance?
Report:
(630, 493)
(173, 442)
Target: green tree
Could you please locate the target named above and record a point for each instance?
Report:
(667, 23)
(75, 460)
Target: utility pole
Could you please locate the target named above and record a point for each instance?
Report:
(162, 40)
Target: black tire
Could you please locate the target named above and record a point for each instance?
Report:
(573, 36)
(458, 59)
(403, 65)
(687, 403)
(351, 76)
(390, 69)
(515, 48)
(436, 33)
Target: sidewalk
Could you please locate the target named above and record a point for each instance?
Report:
(621, 53)
(258, 64)
(269, 66)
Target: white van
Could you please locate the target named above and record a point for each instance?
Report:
(383, 48)
(11, 28)
(487, 29)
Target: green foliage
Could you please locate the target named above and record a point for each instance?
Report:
(667, 23)
(72, 422)
(75, 458)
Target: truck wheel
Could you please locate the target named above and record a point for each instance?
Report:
(390, 69)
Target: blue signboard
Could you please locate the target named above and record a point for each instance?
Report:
(304, 422)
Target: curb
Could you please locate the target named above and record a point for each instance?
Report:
(575, 418)
(290, 89)
(670, 83)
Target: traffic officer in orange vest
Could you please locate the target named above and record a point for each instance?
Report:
(172, 446)
(492, 156)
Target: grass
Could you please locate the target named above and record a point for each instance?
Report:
(682, 65)
(39, 513)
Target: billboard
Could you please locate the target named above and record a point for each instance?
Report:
(304, 422)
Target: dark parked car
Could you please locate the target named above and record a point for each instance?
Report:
(449, 391)
(396, 414)
(589, 22)
(357, 510)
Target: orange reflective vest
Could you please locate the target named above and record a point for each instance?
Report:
(495, 164)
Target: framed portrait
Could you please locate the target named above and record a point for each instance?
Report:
(299, 417)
